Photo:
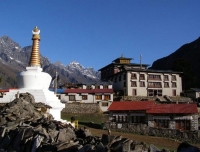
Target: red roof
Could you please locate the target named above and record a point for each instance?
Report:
(7, 90)
(152, 108)
(130, 105)
(88, 91)
(173, 109)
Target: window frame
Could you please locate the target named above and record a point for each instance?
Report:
(98, 97)
(84, 97)
(72, 98)
(133, 83)
(133, 76)
(107, 97)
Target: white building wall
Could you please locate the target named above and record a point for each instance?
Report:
(91, 99)
(78, 98)
(140, 91)
(179, 84)
(143, 91)
(104, 108)
(64, 98)
(84, 86)
(129, 88)
(110, 87)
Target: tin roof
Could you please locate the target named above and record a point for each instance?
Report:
(152, 108)
(130, 105)
(173, 109)
(88, 91)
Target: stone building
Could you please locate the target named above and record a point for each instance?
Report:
(132, 79)
(169, 116)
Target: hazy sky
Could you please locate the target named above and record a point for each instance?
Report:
(95, 32)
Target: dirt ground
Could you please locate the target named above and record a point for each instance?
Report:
(162, 143)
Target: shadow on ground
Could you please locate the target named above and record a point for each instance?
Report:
(91, 125)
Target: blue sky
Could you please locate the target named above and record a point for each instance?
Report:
(95, 32)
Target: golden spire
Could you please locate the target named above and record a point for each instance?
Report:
(35, 53)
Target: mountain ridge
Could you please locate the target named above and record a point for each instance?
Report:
(185, 59)
(14, 59)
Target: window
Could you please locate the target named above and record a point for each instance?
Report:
(133, 76)
(88, 87)
(120, 78)
(133, 84)
(173, 92)
(106, 97)
(173, 77)
(104, 104)
(120, 118)
(97, 87)
(183, 124)
(166, 84)
(124, 76)
(166, 123)
(124, 83)
(134, 92)
(142, 84)
(71, 97)
(138, 119)
(173, 84)
(159, 92)
(125, 119)
(150, 93)
(166, 78)
(105, 86)
(154, 77)
(142, 77)
(154, 92)
(154, 85)
(114, 119)
(157, 85)
(84, 97)
(161, 123)
(98, 97)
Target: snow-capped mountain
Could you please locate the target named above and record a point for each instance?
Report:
(14, 58)
(77, 68)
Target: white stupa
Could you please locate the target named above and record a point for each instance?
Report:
(36, 82)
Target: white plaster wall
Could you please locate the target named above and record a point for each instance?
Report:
(142, 91)
(110, 87)
(33, 78)
(78, 98)
(84, 87)
(104, 108)
(167, 91)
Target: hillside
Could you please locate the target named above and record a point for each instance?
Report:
(187, 60)
(14, 58)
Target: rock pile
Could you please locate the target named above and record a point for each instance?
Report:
(26, 126)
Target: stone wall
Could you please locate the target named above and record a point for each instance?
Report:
(143, 129)
(81, 108)
(139, 98)
(174, 99)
